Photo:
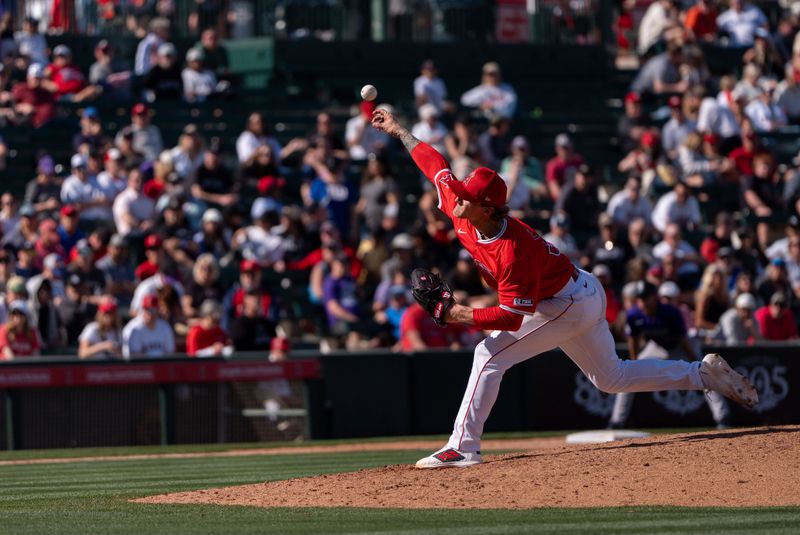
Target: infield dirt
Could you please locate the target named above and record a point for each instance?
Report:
(733, 468)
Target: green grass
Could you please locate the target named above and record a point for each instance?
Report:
(92, 497)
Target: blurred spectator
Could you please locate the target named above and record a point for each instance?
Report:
(644, 157)
(340, 300)
(113, 178)
(256, 134)
(76, 310)
(363, 140)
(251, 330)
(775, 320)
(150, 286)
(107, 74)
(738, 325)
(213, 183)
(65, 80)
(392, 315)
(117, 269)
(492, 96)
(659, 16)
(787, 94)
(102, 337)
(329, 189)
(764, 54)
(9, 212)
(628, 204)
(82, 264)
(763, 194)
(606, 248)
(493, 143)
(131, 157)
(419, 332)
(719, 238)
(32, 102)
(31, 44)
(561, 168)
(661, 74)
(632, 124)
(17, 337)
(676, 129)
(378, 192)
(560, 237)
(776, 280)
(214, 54)
(54, 272)
(738, 23)
(206, 338)
(249, 282)
(199, 83)
(147, 335)
(613, 306)
(23, 230)
(695, 167)
(44, 191)
(164, 81)
(49, 242)
(701, 21)
(780, 247)
(146, 136)
(82, 190)
(639, 245)
(670, 294)
(147, 50)
(765, 114)
(711, 301)
(430, 89)
(133, 211)
(214, 237)
(524, 176)
(714, 118)
(462, 144)
(90, 138)
(677, 206)
(261, 241)
(324, 128)
(204, 286)
(27, 260)
(187, 155)
(44, 316)
(429, 129)
(673, 243)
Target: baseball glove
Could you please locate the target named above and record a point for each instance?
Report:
(432, 293)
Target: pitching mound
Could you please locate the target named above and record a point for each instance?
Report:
(751, 467)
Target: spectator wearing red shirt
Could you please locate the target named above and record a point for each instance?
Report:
(776, 321)
(561, 168)
(206, 338)
(17, 337)
(65, 80)
(32, 102)
(418, 332)
(721, 237)
(701, 21)
(152, 250)
(613, 306)
(49, 241)
(742, 156)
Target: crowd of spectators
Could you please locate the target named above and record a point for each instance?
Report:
(145, 246)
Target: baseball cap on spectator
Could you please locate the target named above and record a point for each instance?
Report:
(107, 305)
(69, 210)
(563, 140)
(649, 139)
(482, 186)
(63, 51)
(674, 101)
(140, 109)
(601, 270)
(249, 266)
(491, 68)
(560, 220)
(74, 280)
(26, 210)
(762, 33)
(78, 161)
(103, 45)
(711, 139)
(113, 154)
(212, 215)
(519, 143)
(35, 70)
(46, 165)
(16, 285)
(629, 290)
(633, 96)
(167, 49)
(210, 307)
(779, 262)
(403, 242)
(747, 301)
(51, 261)
(644, 289)
(90, 112)
(264, 206)
(428, 111)
(153, 241)
(269, 183)
(669, 289)
(195, 54)
(19, 306)
(778, 299)
(150, 301)
(117, 240)
(83, 248)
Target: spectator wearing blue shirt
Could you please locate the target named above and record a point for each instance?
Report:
(656, 330)
(339, 295)
(329, 189)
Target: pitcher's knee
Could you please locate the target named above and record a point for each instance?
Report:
(481, 354)
(610, 381)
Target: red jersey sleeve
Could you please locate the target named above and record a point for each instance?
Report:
(516, 287)
(436, 168)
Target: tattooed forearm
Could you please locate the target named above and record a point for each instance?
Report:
(409, 141)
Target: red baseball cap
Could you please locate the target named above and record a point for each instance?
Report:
(69, 211)
(649, 139)
(674, 101)
(249, 265)
(269, 183)
(153, 241)
(140, 109)
(111, 306)
(710, 138)
(150, 301)
(633, 96)
(482, 186)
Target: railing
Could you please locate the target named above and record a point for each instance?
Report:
(512, 21)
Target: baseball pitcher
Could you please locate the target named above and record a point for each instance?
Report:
(544, 303)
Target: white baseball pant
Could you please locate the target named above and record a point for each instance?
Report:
(623, 402)
(574, 320)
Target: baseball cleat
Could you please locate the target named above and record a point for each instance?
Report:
(717, 375)
(450, 457)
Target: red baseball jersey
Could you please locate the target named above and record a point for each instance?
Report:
(521, 265)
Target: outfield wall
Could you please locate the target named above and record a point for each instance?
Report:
(68, 404)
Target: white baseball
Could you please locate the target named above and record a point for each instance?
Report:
(368, 92)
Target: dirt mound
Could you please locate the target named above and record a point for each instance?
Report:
(751, 467)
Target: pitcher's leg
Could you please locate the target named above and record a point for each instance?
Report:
(718, 406)
(623, 402)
